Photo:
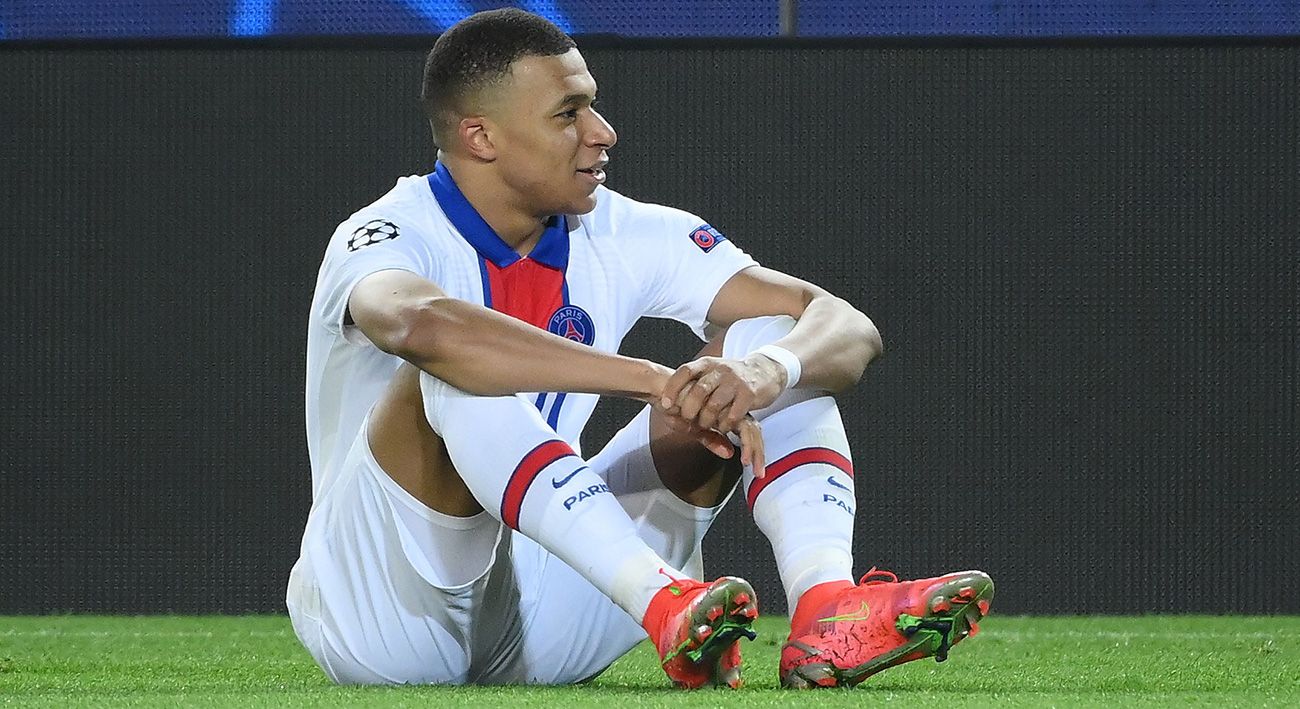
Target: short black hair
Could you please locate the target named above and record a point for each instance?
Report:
(478, 51)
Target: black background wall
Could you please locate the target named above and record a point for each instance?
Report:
(1084, 261)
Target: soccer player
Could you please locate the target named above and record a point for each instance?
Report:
(462, 329)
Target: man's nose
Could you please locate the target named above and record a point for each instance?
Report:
(602, 132)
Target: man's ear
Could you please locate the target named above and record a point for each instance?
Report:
(475, 134)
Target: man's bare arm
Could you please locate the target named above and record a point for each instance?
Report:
(833, 340)
(485, 352)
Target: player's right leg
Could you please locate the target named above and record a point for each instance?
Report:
(362, 597)
(520, 471)
(672, 513)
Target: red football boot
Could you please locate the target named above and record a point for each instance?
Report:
(841, 634)
(697, 629)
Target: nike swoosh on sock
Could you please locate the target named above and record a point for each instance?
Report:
(560, 483)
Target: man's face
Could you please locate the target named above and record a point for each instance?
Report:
(551, 144)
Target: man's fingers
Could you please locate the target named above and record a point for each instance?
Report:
(752, 452)
(706, 398)
(715, 442)
(737, 411)
(692, 399)
(679, 379)
(716, 408)
(680, 399)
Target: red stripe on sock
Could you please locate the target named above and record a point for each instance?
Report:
(524, 475)
(803, 456)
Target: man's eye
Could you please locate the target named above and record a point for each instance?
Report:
(571, 113)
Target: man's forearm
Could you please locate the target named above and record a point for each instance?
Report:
(487, 353)
(834, 343)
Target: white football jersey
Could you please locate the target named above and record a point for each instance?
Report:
(590, 278)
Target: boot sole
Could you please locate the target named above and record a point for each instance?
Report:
(725, 614)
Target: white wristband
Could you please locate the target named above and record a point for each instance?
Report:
(785, 358)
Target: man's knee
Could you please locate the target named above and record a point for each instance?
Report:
(685, 467)
(689, 470)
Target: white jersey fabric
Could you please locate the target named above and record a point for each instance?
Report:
(623, 261)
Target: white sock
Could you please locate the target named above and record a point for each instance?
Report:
(523, 474)
(805, 504)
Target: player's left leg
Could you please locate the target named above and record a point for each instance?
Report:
(841, 633)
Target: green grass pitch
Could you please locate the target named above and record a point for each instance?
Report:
(71, 661)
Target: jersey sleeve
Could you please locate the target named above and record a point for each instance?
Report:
(360, 247)
(686, 262)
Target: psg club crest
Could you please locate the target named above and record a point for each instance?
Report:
(573, 323)
(706, 237)
(372, 232)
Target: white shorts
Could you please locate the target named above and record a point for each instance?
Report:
(372, 603)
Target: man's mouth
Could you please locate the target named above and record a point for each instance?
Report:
(596, 171)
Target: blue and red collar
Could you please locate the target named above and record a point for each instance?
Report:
(551, 250)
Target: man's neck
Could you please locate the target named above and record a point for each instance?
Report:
(520, 230)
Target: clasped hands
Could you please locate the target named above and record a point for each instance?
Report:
(710, 397)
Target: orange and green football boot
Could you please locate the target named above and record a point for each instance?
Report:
(697, 629)
(841, 634)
